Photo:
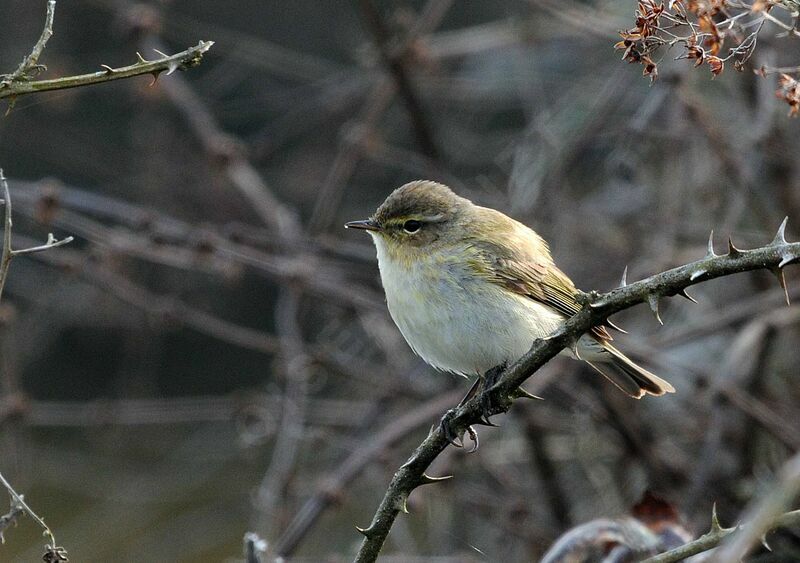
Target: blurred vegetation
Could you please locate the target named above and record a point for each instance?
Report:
(213, 351)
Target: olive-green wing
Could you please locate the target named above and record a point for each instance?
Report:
(534, 277)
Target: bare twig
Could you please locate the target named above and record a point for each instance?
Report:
(297, 374)
(17, 500)
(597, 308)
(10, 517)
(8, 253)
(333, 486)
(765, 514)
(169, 63)
(31, 62)
(719, 534)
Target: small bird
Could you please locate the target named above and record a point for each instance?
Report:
(470, 288)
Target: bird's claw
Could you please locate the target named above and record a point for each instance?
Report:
(447, 429)
(484, 420)
(474, 437)
(455, 439)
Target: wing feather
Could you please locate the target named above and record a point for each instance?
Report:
(534, 276)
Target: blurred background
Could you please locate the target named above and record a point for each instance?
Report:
(213, 354)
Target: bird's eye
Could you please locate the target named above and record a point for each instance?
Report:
(412, 226)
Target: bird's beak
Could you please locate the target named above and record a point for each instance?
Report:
(366, 224)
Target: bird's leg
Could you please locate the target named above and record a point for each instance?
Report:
(489, 379)
(446, 423)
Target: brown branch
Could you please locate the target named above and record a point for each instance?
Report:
(597, 308)
(332, 487)
(270, 495)
(397, 64)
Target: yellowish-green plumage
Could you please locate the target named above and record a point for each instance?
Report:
(470, 288)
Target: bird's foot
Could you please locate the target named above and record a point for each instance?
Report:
(488, 408)
(457, 438)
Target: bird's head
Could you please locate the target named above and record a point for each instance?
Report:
(415, 217)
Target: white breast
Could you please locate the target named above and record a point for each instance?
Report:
(456, 322)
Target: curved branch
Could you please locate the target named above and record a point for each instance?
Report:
(597, 308)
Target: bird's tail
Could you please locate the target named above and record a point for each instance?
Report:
(631, 378)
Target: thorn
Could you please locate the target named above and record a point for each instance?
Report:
(403, 502)
(367, 532)
(715, 525)
(172, 67)
(155, 74)
(624, 281)
(764, 543)
(615, 327)
(12, 101)
(474, 437)
(786, 259)
(598, 303)
(683, 293)
(652, 300)
(780, 236)
(108, 69)
(520, 393)
(428, 480)
(484, 421)
(782, 281)
(732, 250)
(456, 442)
(166, 56)
(697, 274)
(710, 252)
(141, 60)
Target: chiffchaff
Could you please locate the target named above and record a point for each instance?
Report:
(471, 288)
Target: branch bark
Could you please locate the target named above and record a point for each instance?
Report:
(716, 536)
(597, 308)
(13, 88)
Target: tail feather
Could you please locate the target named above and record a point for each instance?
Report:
(631, 378)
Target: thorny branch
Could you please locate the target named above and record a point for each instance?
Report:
(765, 514)
(738, 540)
(717, 535)
(597, 308)
(13, 88)
(20, 82)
